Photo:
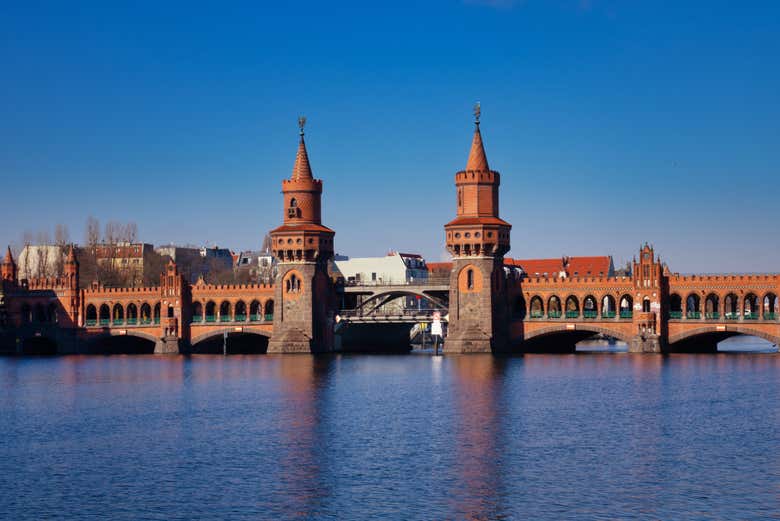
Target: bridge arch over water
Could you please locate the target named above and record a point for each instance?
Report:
(247, 340)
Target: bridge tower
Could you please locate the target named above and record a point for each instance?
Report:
(304, 293)
(73, 294)
(477, 239)
(174, 293)
(649, 293)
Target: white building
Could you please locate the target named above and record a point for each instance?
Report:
(36, 261)
(393, 268)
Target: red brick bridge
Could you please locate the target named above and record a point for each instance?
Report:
(492, 305)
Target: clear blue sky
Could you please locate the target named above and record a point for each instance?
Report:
(612, 122)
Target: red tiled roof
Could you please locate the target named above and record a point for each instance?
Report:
(578, 266)
(439, 266)
(471, 221)
(302, 228)
(595, 266)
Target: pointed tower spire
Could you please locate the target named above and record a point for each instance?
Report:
(8, 267)
(9, 258)
(302, 169)
(477, 159)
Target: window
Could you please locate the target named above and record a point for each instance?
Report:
(373, 276)
(470, 279)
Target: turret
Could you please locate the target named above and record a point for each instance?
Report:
(304, 292)
(477, 239)
(477, 229)
(8, 268)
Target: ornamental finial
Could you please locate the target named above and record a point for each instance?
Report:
(477, 113)
(301, 123)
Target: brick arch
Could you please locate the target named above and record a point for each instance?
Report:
(125, 332)
(736, 329)
(222, 331)
(584, 327)
(477, 281)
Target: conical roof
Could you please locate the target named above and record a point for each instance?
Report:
(477, 158)
(9, 258)
(301, 169)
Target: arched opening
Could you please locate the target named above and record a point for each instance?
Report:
(38, 346)
(157, 313)
(751, 307)
(608, 309)
(537, 307)
(269, 310)
(91, 316)
(770, 306)
(293, 284)
(626, 306)
(554, 307)
(240, 311)
(692, 306)
(731, 307)
(224, 312)
(589, 307)
(211, 311)
(170, 311)
(518, 310)
(105, 315)
(675, 306)
(40, 313)
(26, 313)
(121, 345)
(118, 315)
(146, 313)
(573, 341)
(712, 307)
(293, 211)
(197, 312)
(646, 306)
(572, 307)
(132, 314)
(233, 344)
(255, 311)
(710, 340)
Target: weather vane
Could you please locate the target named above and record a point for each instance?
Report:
(301, 123)
(477, 113)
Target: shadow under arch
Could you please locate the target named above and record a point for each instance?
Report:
(38, 346)
(559, 339)
(706, 339)
(126, 343)
(248, 341)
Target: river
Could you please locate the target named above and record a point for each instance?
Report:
(586, 436)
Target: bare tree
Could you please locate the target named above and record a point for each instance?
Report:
(61, 239)
(131, 232)
(92, 232)
(42, 251)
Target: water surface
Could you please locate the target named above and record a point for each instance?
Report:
(588, 436)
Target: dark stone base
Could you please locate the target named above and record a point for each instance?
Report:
(167, 346)
(467, 345)
(648, 344)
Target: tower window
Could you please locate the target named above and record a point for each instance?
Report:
(293, 211)
(470, 279)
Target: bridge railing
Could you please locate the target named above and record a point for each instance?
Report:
(432, 281)
(407, 312)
